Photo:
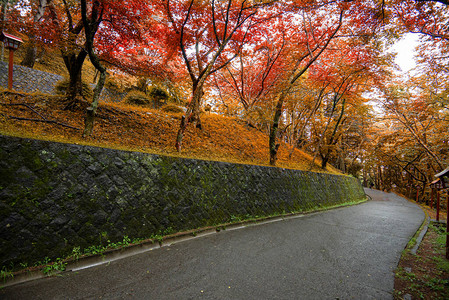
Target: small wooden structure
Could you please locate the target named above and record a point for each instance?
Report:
(11, 42)
(436, 186)
(443, 177)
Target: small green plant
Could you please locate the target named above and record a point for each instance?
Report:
(126, 240)
(5, 274)
(137, 240)
(94, 249)
(58, 266)
(235, 218)
(76, 253)
(168, 230)
(157, 237)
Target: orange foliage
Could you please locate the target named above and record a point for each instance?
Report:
(146, 130)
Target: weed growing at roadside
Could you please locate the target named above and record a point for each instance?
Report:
(58, 266)
(5, 274)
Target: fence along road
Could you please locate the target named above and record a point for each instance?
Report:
(343, 253)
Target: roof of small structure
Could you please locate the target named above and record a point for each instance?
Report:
(435, 181)
(4, 34)
(443, 173)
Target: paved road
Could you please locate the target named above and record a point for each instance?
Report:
(347, 253)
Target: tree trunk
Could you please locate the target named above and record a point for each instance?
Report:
(74, 65)
(30, 53)
(324, 160)
(192, 115)
(275, 126)
(90, 28)
(90, 113)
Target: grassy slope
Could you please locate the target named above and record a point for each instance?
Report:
(140, 129)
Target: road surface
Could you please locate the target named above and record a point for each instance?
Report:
(346, 253)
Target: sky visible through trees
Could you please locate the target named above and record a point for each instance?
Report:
(406, 52)
(313, 75)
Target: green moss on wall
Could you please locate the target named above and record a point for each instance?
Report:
(56, 196)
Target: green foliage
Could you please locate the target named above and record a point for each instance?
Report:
(442, 264)
(137, 98)
(62, 87)
(436, 284)
(58, 266)
(76, 253)
(5, 274)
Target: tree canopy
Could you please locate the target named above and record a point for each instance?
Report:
(315, 75)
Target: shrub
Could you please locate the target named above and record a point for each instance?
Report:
(113, 84)
(137, 98)
(158, 95)
(62, 87)
(142, 84)
(172, 108)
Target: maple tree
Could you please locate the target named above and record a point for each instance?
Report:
(297, 70)
(408, 142)
(409, 146)
(256, 72)
(318, 35)
(59, 24)
(207, 35)
(348, 71)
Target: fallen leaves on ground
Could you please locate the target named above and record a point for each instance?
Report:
(142, 129)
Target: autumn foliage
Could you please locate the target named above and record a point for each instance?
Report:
(278, 76)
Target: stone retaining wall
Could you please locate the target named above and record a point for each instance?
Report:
(30, 80)
(57, 196)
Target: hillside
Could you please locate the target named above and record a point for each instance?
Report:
(141, 129)
(138, 129)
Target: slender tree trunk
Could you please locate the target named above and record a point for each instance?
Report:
(299, 143)
(342, 157)
(324, 160)
(91, 27)
(91, 111)
(275, 126)
(193, 113)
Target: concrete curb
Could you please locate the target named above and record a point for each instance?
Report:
(422, 232)
(111, 255)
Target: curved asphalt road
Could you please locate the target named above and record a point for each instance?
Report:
(347, 253)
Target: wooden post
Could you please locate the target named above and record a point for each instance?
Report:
(438, 205)
(417, 194)
(447, 225)
(10, 68)
(432, 194)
